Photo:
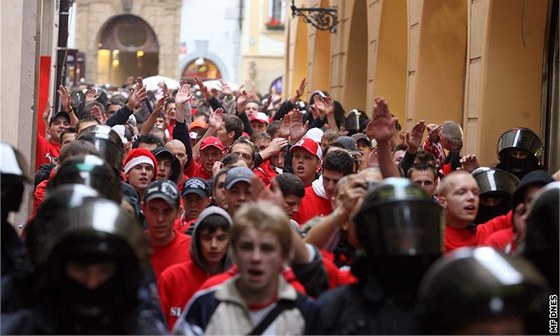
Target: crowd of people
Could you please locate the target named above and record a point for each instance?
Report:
(200, 211)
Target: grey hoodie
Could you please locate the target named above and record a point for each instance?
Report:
(195, 253)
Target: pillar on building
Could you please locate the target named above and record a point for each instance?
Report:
(18, 65)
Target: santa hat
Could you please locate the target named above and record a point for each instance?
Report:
(138, 156)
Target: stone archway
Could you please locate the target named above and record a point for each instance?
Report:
(127, 46)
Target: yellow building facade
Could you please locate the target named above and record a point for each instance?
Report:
(263, 34)
(490, 65)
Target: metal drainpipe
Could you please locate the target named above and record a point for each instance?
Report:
(62, 49)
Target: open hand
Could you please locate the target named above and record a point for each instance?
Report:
(382, 126)
(65, 98)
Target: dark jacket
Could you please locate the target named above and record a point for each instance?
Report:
(365, 309)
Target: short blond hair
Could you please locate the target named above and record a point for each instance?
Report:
(266, 217)
(444, 185)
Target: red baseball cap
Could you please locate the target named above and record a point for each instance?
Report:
(211, 142)
(309, 145)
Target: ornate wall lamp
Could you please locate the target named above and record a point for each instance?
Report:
(320, 18)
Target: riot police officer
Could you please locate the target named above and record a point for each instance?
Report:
(520, 151)
(399, 231)
(496, 188)
(89, 170)
(479, 291)
(15, 266)
(90, 258)
(111, 149)
(542, 230)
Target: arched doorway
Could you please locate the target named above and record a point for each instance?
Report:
(127, 46)
(203, 68)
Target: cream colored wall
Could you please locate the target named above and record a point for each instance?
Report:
(268, 68)
(438, 83)
(505, 72)
(476, 62)
(319, 54)
(262, 49)
(163, 16)
(355, 80)
(19, 57)
(296, 56)
(389, 45)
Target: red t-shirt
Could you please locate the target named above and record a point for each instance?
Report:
(312, 205)
(182, 225)
(337, 277)
(45, 151)
(502, 240)
(176, 285)
(177, 251)
(455, 238)
(170, 129)
(265, 172)
(195, 170)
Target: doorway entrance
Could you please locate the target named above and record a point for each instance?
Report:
(127, 46)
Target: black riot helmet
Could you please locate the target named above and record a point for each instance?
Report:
(90, 170)
(355, 121)
(97, 235)
(398, 218)
(519, 151)
(541, 240)
(474, 284)
(13, 177)
(301, 105)
(161, 153)
(400, 230)
(496, 188)
(107, 142)
(58, 200)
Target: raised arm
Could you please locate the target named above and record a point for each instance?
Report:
(180, 131)
(66, 102)
(152, 118)
(382, 129)
(134, 101)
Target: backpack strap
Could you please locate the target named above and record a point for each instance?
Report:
(281, 306)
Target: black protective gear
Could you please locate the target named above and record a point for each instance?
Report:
(58, 200)
(520, 139)
(96, 231)
(107, 142)
(541, 242)
(355, 121)
(497, 184)
(14, 175)
(473, 284)
(398, 218)
(399, 229)
(15, 266)
(89, 170)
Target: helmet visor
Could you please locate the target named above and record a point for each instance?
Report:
(412, 228)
